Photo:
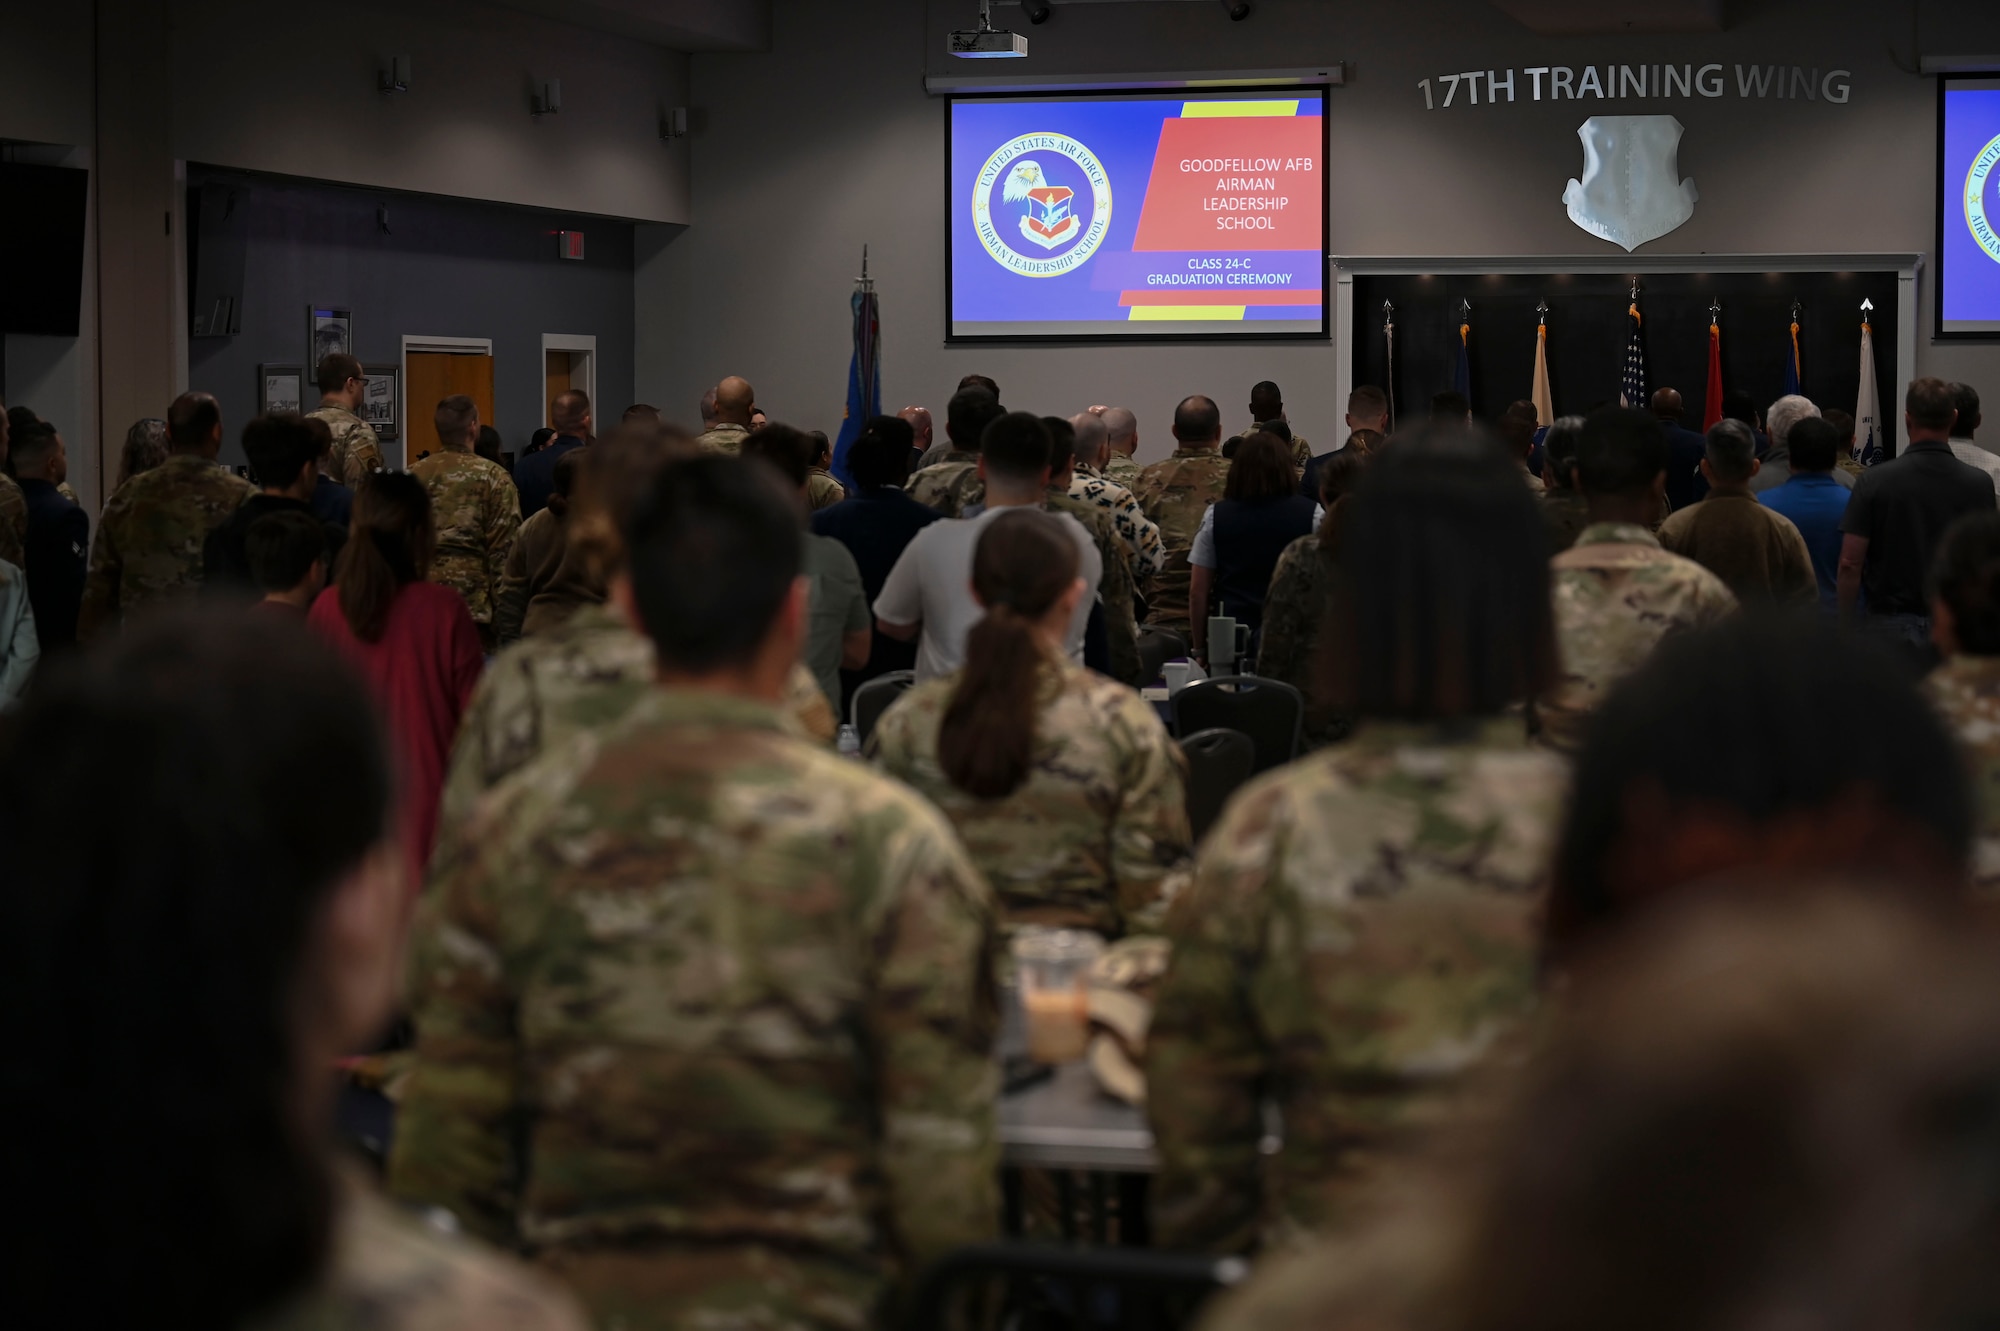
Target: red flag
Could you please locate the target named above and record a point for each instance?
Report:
(1711, 407)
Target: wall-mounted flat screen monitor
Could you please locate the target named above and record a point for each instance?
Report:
(41, 248)
(1137, 216)
(1968, 252)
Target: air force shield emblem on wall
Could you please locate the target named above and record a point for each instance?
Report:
(1627, 195)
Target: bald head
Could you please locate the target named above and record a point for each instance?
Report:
(1667, 404)
(1121, 428)
(734, 398)
(570, 413)
(920, 424)
(708, 409)
(1197, 422)
(1092, 439)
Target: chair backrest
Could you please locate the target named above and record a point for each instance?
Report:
(1157, 647)
(1047, 1285)
(1269, 711)
(873, 698)
(1218, 762)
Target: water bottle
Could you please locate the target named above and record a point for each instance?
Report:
(849, 743)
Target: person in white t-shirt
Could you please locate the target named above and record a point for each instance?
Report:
(928, 596)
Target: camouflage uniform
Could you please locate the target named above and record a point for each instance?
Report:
(822, 491)
(1567, 513)
(476, 513)
(356, 450)
(1302, 453)
(1115, 587)
(1966, 690)
(1295, 609)
(705, 1023)
(537, 553)
(950, 486)
(1359, 937)
(149, 540)
(1144, 552)
(67, 493)
(1617, 594)
(1096, 837)
(724, 438)
(1122, 470)
(1175, 494)
(13, 521)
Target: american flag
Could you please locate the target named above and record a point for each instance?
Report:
(1633, 391)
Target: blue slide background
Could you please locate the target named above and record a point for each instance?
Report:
(1970, 277)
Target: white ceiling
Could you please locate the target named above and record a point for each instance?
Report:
(680, 25)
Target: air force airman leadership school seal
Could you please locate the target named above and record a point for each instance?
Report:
(1041, 215)
(1982, 199)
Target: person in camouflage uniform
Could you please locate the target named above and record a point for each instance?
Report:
(1143, 548)
(1965, 689)
(1564, 508)
(1175, 494)
(1301, 596)
(1122, 429)
(1360, 935)
(735, 399)
(953, 485)
(475, 511)
(1267, 406)
(1617, 592)
(704, 1013)
(1115, 587)
(822, 490)
(151, 534)
(356, 450)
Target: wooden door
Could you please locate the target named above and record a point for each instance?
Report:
(432, 377)
(555, 382)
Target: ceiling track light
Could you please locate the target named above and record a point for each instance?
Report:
(1238, 10)
(1038, 11)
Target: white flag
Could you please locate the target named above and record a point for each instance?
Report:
(1545, 412)
(1867, 409)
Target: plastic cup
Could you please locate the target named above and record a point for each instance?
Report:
(1176, 675)
(1054, 970)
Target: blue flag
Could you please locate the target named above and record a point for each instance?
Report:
(1461, 370)
(864, 381)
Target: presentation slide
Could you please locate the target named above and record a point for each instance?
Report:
(1138, 216)
(1969, 211)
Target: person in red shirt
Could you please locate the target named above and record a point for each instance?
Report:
(413, 640)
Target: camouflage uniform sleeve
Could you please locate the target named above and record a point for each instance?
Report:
(503, 525)
(364, 454)
(13, 525)
(1121, 624)
(1291, 608)
(1151, 844)
(510, 607)
(100, 587)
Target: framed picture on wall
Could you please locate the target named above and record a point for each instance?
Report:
(329, 332)
(379, 400)
(280, 388)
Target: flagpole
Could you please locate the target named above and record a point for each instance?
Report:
(1389, 340)
(1711, 402)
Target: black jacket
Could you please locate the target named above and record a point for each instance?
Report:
(225, 567)
(57, 553)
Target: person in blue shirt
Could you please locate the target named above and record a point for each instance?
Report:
(535, 475)
(1686, 486)
(1814, 500)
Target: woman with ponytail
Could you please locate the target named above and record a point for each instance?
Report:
(1063, 784)
(412, 640)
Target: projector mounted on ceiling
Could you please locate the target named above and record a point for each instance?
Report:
(986, 42)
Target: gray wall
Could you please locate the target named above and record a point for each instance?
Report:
(828, 141)
(446, 268)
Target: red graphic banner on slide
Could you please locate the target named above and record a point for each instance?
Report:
(1235, 182)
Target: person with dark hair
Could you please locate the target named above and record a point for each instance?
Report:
(1965, 688)
(1965, 400)
(1714, 760)
(492, 447)
(1064, 786)
(822, 491)
(537, 554)
(980, 381)
(831, 1101)
(1517, 428)
(145, 448)
(56, 552)
(1301, 595)
(839, 629)
(356, 448)
(734, 412)
(1367, 412)
(951, 485)
(1241, 535)
(535, 475)
(1899, 512)
(288, 560)
(1176, 495)
(1360, 935)
(284, 464)
(475, 513)
(212, 959)
(1754, 549)
(927, 597)
(1686, 485)
(539, 440)
(1451, 407)
(411, 639)
(1618, 593)
(1267, 408)
(151, 535)
(332, 502)
(1814, 501)
(1740, 405)
(1564, 508)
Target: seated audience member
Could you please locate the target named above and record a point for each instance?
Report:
(288, 560)
(1066, 789)
(56, 552)
(951, 483)
(1564, 509)
(475, 513)
(839, 631)
(411, 639)
(1518, 427)
(1814, 502)
(1776, 466)
(1145, 554)
(780, 953)
(1242, 534)
(1122, 430)
(1965, 625)
(535, 474)
(284, 462)
(1301, 594)
(1617, 592)
(1686, 484)
(146, 447)
(1117, 594)
(1898, 514)
(728, 420)
(20, 647)
(1713, 765)
(1965, 401)
(1764, 1113)
(876, 522)
(537, 552)
(1176, 495)
(1755, 550)
(1360, 933)
(210, 962)
(927, 598)
(332, 502)
(1367, 413)
(822, 491)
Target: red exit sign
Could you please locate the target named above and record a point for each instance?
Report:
(569, 244)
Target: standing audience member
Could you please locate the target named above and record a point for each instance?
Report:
(538, 441)
(1565, 511)
(922, 433)
(288, 560)
(20, 647)
(1965, 626)
(1267, 407)
(145, 448)
(284, 462)
(1756, 551)
(1064, 786)
(1121, 430)
(475, 513)
(1145, 555)
(839, 632)
(412, 640)
(1814, 502)
(57, 551)
(640, 413)
(735, 402)
(538, 552)
(1117, 595)
(1776, 462)
(876, 522)
(1965, 400)
(535, 475)
(1301, 597)
(332, 502)
(1367, 411)
(831, 1102)
(1686, 484)
(1738, 405)
(822, 491)
(951, 484)
(1451, 408)
(1360, 935)
(356, 449)
(1176, 495)
(492, 447)
(1236, 548)
(13, 504)
(1898, 514)
(1518, 426)
(151, 534)
(241, 931)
